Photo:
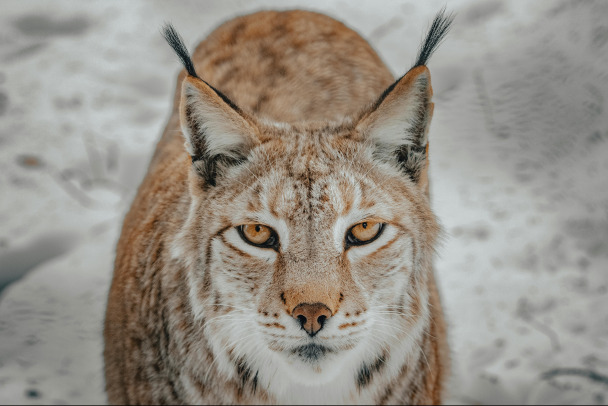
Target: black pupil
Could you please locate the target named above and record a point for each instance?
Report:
(364, 225)
(257, 228)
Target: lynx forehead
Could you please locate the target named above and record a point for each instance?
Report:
(279, 249)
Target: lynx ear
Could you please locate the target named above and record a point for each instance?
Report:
(217, 133)
(399, 121)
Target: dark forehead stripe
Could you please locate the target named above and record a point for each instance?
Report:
(312, 171)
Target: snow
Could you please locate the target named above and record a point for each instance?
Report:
(519, 156)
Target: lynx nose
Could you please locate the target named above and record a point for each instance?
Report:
(312, 317)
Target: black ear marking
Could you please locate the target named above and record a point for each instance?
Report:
(412, 159)
(209, 167)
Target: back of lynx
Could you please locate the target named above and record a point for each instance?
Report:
(284, 253)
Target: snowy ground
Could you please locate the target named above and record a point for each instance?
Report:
(519, 152)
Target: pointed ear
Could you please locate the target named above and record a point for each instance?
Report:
(397, 124)
(218, 134)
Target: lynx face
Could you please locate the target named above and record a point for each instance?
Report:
(289, 260)
(310, 245)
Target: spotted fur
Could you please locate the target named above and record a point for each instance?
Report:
(322, 139)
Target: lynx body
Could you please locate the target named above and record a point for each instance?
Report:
(284, 254)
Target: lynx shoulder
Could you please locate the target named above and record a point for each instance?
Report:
(280, 247)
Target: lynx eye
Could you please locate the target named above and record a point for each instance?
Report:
(364, 233)
(258, 235)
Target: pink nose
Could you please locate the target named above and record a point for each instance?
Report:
(312, 317)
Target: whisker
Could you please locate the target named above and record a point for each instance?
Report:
(234, 307)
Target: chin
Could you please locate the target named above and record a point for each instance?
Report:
(314, 364)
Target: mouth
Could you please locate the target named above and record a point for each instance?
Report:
(315, 364)
(311, 353)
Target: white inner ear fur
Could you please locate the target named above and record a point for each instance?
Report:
(221, 129)
(388, 126)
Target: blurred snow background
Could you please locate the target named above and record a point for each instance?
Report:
(519, 161)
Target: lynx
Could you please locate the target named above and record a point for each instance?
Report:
(284, 255)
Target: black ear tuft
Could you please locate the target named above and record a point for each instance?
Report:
(176, 42)
(439, 29)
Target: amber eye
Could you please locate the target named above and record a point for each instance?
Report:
(364, 233)
(258, 235)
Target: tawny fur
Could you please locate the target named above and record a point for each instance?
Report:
(195, 315)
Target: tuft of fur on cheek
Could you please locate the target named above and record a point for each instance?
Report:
(231, 310)
(387, 279)
(237, 342)
(398, 325)
(232, 337)
(182, 249)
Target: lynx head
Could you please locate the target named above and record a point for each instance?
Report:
(308, 245)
